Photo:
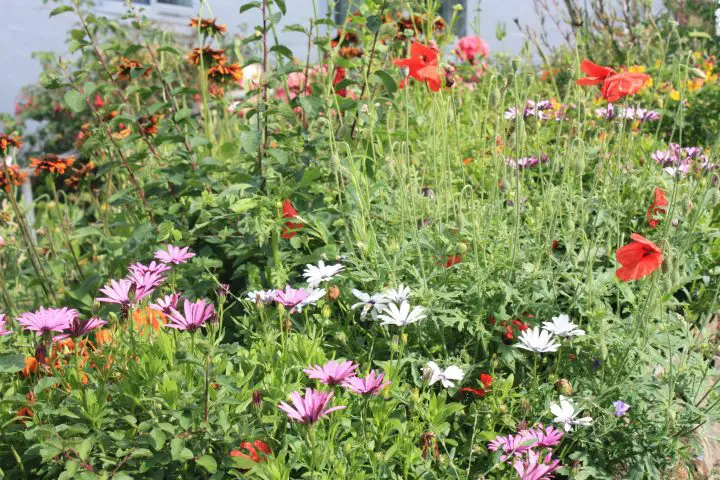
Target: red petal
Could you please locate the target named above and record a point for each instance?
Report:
(593, 70)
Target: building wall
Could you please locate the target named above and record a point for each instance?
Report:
(28, 28)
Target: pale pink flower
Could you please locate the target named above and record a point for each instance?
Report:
(332, 373)
(47, 320)
(117, 291)
(145, 282)
(174, 255)
(154, 267)
(369, 385)
(193, 317)
(311, 408)
(296, 299)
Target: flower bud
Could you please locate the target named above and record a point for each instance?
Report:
(494, 97)
(257, 398)
(287, 325)
(563, 387)
(333, 293)
(326, 311)
(2, 241)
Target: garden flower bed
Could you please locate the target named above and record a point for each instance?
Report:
(411, 258)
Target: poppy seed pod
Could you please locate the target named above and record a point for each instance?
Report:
(494, 97)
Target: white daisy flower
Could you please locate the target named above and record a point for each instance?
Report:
(317, 274)
(314, 295)
(563, 327)
(566, 414)
(536, 340)
(397, 295)
(401, 316)
(261, 296)
(432, 373)
(373, 304)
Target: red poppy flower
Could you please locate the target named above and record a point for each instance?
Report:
(339, 77)
(638, 259)
(595, 73)
(486, 381)
(290, 228)
(614, 85)
(622, 84)
(252, 449)
(658, 206)
(422, 65)
(453, 260)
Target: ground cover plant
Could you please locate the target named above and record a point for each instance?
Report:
(402, 256)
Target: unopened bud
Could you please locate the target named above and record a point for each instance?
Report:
(333, 293)
(563, 387)
(326, 311)
(257, 398)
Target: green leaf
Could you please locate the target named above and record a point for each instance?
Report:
(61, 9)
(309, 176)
(281, 6)
(182, 114)
(74, 101)
(11, 363)
(208, 463)
(249, 6)
(373, 23)
(698, 34)
(282, 50)
(387, 80)
(158, 437)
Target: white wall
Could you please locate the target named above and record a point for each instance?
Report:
(28, 28)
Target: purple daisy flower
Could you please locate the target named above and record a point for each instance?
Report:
(78, 328)
(154, 267)
(621, 408)
(311, 408)
(117, 291)
(166, 304)
(47, 320)
(369, 385)
(296, 299)
(193, 317)
(332, 373)
(175, 255)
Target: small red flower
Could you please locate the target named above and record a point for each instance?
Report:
(453, 260)
(658, 206)
(422, 65)
(554, 245)
(614, 85)
(252, 449)
(486, 381)
(638, 259)
(99, 103)
(290, 228)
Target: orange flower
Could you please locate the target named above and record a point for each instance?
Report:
(127, 66)
(623, 84)
(657, 207)
(149, 125)
(31, 366)
(222, 73)
(103, 337)
(638, 259)
(11, 175)
(51, 163)
(422, 65)
(24, 415)
(208, 55)
(207, 26)
(148, 316)
(8, 141)
(78, 174)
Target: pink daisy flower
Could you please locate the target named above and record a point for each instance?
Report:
(332, 373)
(193, 317)
(174, 255)
(47, 320)
(78, 328)
(311, 408)
(166, 304)
(370, 385)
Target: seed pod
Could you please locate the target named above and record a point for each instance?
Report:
(333, 293)
(494, 97)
